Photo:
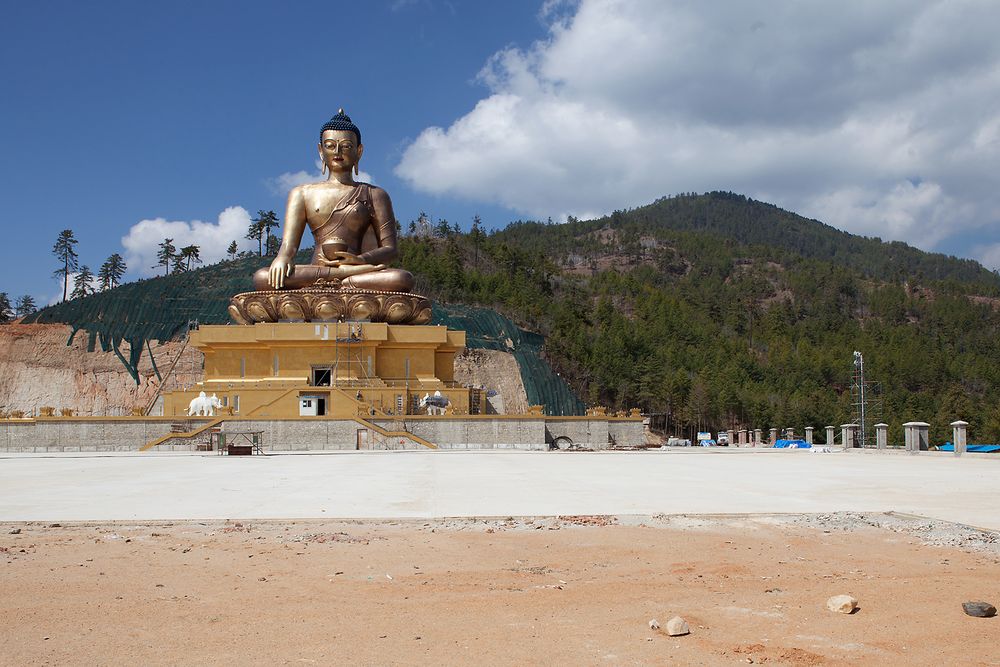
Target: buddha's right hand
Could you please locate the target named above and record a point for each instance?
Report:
(280, 269)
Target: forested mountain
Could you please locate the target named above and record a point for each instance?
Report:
(724, 312)
(714, 310)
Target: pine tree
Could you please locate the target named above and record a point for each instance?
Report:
(477, 236)
(232, 250)
(267, 220)
(256, 233)
(191, 255)
(82, 283)
(260, 228)
(25, 305)
(165, 255)
(111, 272)
(423, 225)
(454, 277)
(273, 245)
(5, 310)
(442, 229)
(66, 253)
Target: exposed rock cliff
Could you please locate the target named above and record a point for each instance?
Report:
(38, 369)
(494, 370)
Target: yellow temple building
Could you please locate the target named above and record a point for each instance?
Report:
(334, 369)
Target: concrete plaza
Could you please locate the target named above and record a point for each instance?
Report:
(426, 484)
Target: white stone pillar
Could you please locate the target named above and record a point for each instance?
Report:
(916, 436)
(774, 436)
(881, 436)
(758, 437)
(922, 441)
(847, 433)
(743, 437)
(790, 433)
(809, 435)
(829, 436)
(959, 436)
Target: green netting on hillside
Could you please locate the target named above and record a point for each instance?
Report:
(160, 308)
(487, 329)
(153, 309)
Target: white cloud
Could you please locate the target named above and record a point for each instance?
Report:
(283, 183)
(920, 213)
(57, 297)
(879, 118)
(213, 238)
(989, 256)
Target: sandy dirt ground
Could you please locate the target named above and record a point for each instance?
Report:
(543, 591)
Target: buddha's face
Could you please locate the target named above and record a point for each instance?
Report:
(340, 150)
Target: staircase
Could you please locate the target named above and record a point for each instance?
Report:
(386, 434)
(182, 434)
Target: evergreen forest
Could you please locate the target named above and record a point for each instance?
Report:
(708, 312)
(717, 312)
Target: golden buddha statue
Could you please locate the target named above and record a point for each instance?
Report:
(354, 229)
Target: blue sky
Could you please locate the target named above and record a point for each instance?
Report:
(120, 112)
(127, 122)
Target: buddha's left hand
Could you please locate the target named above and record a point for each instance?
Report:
(342, 258)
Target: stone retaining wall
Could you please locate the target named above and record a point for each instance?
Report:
(477, 433)
(300, 435)
(590, 433)
(628, 433)
(500, 432)
(86, 435)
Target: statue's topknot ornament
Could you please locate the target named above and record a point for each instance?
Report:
(341, 122)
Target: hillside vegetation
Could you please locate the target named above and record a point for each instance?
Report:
(712, 311)
(722, 312)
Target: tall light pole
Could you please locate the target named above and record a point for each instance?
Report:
(859, 378)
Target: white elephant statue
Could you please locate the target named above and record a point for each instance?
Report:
(204, 405)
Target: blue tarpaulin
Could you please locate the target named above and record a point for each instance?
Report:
(987, 449)
(792, 444)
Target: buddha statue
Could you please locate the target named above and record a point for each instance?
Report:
(338, 211)
(354, 230)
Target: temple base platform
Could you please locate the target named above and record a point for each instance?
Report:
(326, 369)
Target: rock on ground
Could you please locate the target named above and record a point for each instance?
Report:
(843, 604)
(979, 609)
(677, 626)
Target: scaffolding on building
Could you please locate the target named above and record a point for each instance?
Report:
(866, 403)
